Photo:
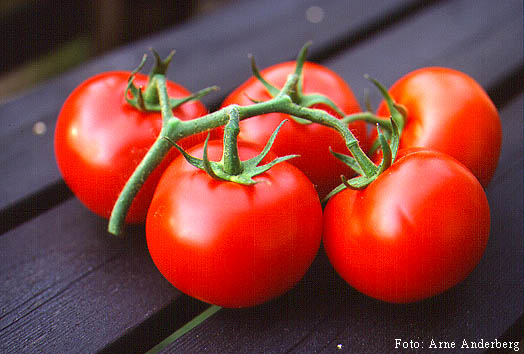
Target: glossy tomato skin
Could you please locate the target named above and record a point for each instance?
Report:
(420, 228)
(100, 139)
(310, 141)
(229, 244)
(450, 112)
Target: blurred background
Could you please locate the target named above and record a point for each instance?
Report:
(42, 38)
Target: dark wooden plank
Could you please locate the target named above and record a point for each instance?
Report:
(80, 290)
(484, 41)
(325, 315)
(211, 50)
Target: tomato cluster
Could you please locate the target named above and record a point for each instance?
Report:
(419, 228)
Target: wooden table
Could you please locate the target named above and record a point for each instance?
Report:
(67, 286)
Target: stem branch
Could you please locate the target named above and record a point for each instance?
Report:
(230, 159)
(151, 160)
(176, 129)
(367, 117)
(163, 98)
(324, 118)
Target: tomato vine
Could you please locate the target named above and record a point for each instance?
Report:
(284, 102)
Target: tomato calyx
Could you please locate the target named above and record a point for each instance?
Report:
(230, 167)
(388, 139)
(296, 92)
(398, 113)
(389, 154)
(147, 99)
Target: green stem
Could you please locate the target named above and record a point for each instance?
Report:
(151, 160)
(159, 69)
(230, 159)
(324, 118)
(221, 117)
(367, 117)
(290, 88)
(163, 98)
(175, 129)
(150, 93)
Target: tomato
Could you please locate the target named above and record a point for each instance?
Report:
(417, 230)
(100, 139)
(229, 244)
(310, 141)
(450, 112)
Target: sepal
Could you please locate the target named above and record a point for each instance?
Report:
(135, 95)
(398, 112)
(388, 158)
(249, 168)
(273, 91)
(295, 91)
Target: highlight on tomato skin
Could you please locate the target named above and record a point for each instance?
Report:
(229, 244)
(310, 141)
(416, 231)
(100, 139)
(450, 112)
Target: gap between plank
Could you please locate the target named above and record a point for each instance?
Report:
(210, 311)
(163, 323)
(33, 205)
(507, 87)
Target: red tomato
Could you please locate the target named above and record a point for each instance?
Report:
(420, 228)
(100, 139)
(229, 244)
(310, 141)
(450, 112)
